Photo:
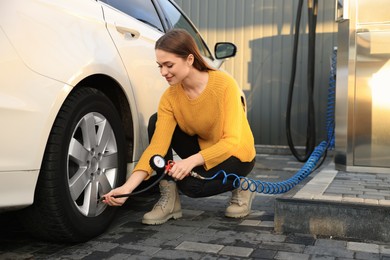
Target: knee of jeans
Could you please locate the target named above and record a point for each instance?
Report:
(192, 189)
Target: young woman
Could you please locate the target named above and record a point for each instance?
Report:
(201, 117)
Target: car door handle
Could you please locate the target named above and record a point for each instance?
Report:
(128, 32)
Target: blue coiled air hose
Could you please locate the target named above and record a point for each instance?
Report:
(266, 187)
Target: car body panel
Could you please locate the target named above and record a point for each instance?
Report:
(43, 22)
(139, 61)
(27, 102)
(17, 189)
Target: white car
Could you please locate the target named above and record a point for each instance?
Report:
(78, 83)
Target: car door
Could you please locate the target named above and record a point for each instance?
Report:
(135, 38)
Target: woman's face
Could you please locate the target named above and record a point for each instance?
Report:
(173, 68)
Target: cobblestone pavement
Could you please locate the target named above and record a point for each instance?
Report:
(202, 233)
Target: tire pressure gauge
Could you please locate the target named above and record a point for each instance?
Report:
(157, 162)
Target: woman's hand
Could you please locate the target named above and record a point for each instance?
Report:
(111, 201)
(135, 179)
(182, 168)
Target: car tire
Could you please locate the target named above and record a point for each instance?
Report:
(84, 159)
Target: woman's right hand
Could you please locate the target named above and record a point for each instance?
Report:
(111, 201)
(135, 179)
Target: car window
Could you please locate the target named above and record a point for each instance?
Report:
(142, 10)
(178, 20)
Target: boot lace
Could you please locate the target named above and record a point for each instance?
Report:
(236, 198)
(164, 197)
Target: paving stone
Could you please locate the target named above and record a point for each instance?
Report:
(291, 256)
(300, 239)
(367, 256)
(145, 250)
(268, 224)
(372, 195)
(199, 247)
(71, 254)
(384, 249)
(191, 213)
(352, 199)
(270, 237)
(247, 244)
(322, 257)
(331, 243)
(363, 247)
(216, 257)
(331, 197)
(177, 254)
(251, 223)
(328, 251)
(236, 251)
(287, 247)
(118, 253)
(206, 232)
(263, 254)
(385, 202)
(102, 246)
(371, 201)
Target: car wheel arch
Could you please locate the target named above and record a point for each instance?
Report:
(115, 92)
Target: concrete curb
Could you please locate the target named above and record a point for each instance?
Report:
(329, 218)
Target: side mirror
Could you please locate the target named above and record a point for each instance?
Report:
(225, 50)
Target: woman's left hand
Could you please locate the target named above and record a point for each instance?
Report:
(182, 169)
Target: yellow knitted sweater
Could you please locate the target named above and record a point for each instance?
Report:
(217, 117)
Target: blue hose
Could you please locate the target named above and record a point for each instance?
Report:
(311, 163)
(330, 124)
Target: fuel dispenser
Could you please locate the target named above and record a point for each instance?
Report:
(362, 115)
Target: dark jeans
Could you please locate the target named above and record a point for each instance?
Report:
(185, 146)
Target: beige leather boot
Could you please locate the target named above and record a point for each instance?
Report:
(167, 207)
(240, 203)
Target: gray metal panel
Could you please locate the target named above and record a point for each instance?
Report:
(263, 32)
(362, 105)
